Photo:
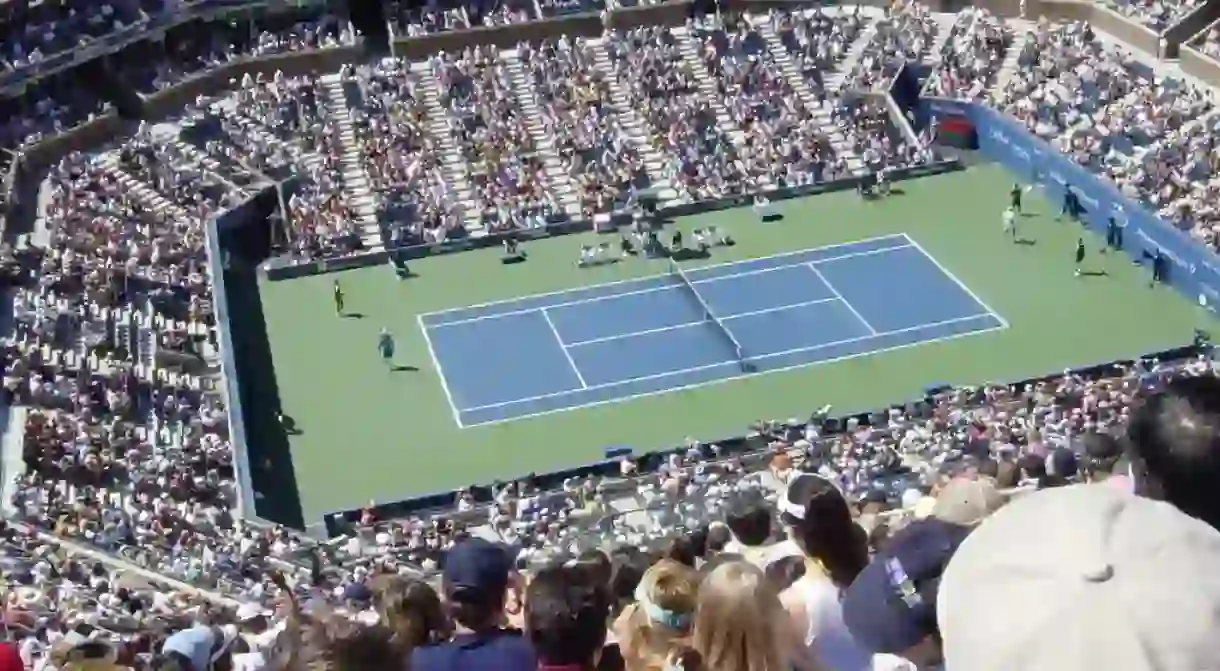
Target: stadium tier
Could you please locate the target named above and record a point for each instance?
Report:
(401, 335)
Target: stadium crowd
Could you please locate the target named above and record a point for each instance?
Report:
(825, 545)
(907, 32)
(1115, 115)
(971, 56)
(1156, 15)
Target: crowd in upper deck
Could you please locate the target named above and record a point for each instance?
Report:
(126, 450)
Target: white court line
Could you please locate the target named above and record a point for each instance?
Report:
(650, 290)
(735, 362)
(730, 378)
(722, 264)
(564, 348)
(846, 303)
(956, 280)
(701, 322)
(457, 415)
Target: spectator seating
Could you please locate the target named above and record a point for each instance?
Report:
(971, 56)
(1156, 15)
(1116, 115)
(31, 32)
(908, 32)
(126, 452)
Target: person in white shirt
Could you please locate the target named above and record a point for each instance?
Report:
(1010, 223)
(835, 548)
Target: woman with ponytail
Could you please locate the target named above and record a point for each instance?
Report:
(835, 548)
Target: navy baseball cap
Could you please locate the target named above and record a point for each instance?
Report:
(476, 569)
(358, 591)
(891, 605)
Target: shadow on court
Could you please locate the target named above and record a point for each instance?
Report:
(1026, 242)
(290, 425)
(404, 369)
(353, 315)
(688, 254)
(1094, 273)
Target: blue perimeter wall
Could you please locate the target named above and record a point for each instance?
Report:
(1194, 269)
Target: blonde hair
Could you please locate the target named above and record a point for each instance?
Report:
(739, 622)
(669, 590)
(412, 611)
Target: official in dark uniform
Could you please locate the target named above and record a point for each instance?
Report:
(1160, 266)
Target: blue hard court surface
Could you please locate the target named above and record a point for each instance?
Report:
(606, 343)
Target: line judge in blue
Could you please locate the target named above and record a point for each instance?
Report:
(385, 345)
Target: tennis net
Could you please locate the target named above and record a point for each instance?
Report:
(710, 317)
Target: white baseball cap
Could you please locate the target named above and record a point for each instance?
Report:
(1083, 577)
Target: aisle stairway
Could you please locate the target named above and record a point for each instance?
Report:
(559, 184)
(453, 164)
(944, 24)
(356, 189)
(688, 46)
(158, 203)
(1010, 66)
(633, 125)
(228, 108)
(820, 111)
(836, 78)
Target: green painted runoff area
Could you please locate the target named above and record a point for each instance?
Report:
(370, 434)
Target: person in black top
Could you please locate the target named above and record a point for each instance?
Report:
(1159, 266)
(510, 246)
(1079, 255)
(1069, 208)
(1015, 197)
(677, 241)
(865, 185)
(624, 245)
(338, 298)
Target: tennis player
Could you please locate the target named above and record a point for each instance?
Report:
(385, 344)
(1079, 255)
(338, 298)
(1010, 223)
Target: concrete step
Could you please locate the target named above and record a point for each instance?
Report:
(356, 184)
(559, 184)
(453, 165)
(707, 86)
(1008, 68)
(779, 56)
(142, 190)
(634, 127)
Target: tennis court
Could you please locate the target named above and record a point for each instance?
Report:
(552, 352)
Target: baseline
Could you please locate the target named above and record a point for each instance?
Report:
(955, 279)
(440, 372)
(653, 283)
(726, 371)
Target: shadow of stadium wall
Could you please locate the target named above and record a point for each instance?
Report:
(262, 468)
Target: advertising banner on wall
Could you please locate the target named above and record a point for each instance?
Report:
(1194, 269)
